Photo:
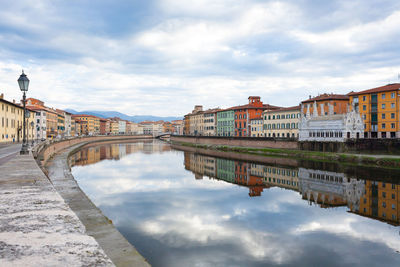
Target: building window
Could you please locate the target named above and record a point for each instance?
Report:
(364, 98)
(383, 96)
(364, 107)
(383, 115)
(383, 126)
(393, 95)
(392, 105)
(392, 116)
(393, 206)
(384, 204)
(383, 106)
(384, 194)
(392, 125)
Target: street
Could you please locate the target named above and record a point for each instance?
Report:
(7, 152)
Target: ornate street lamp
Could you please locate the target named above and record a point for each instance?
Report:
(23, 83)
(32, 127)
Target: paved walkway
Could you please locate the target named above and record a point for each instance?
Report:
(37, 228)
(120, 251)
(9, 151)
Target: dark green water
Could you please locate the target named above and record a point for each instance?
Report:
(184, 209)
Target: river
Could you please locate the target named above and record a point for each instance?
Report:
(181, 208)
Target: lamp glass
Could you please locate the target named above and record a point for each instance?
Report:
(23, 82)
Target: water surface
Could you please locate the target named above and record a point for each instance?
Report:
(186, 209)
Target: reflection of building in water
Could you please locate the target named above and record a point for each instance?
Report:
(226, 170)
(209, 166)
(91, 155)
(156, 146)
(197, 165)
(329, 188)
(373, 199)
(86, 156)
(380, 201)
(200, 165)
(122, 150)
(243, 177)
(281, 177)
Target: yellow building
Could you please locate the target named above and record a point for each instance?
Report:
(283, 122)
(51, 123)
(380, 109)
(93, 123)
(60, 124)
(11, 116)
(114, 127)
(281, 177)
(256, 127)
(381, 201)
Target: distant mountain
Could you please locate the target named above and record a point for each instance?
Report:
(110, 114)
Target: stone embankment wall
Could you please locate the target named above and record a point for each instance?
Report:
(45, 150)
(391, 146)
(237, 141)
(287, 162)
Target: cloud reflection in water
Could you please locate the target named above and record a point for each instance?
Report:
(174, 219)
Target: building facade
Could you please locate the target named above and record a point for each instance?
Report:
(11, 116)
(210, 122)
(330, 127)
(226, 122)
(93, 123)
(256, 127)
(380, 110)
(245, 113)
(283, 122)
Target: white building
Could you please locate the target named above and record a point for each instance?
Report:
(122, 126)
(67, 122)
(330, 188)
(152, 128)
(40, 123)
(330, 127)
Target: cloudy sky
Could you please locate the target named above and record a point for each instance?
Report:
(161, 57)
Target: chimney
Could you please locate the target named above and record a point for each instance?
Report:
(309, 97)
(2, 96)
(13, 101)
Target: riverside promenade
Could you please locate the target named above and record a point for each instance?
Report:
(37, 226)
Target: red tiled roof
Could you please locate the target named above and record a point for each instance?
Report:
(327, 97)
(248, 106)
(83, 115)
(286, 109)
(212, 110)
(388, 87)
(10, 103)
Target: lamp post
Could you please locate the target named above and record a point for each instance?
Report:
(23, 83)
(32, 127)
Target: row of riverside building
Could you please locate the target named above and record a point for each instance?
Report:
(374, 199)
(43, 122)
(371, 113)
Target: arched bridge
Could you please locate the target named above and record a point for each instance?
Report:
(163, 135)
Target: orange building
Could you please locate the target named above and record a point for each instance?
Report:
(381, 201)
(245, 113)
(104, 126)
(51, 116)
(380, 109)
(338, 102)
(93, 122)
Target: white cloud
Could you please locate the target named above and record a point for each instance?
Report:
(230, 48)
